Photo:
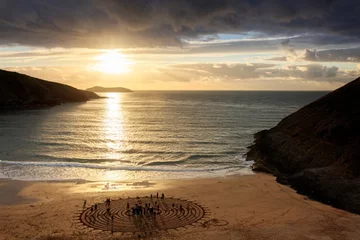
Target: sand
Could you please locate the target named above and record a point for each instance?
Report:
(249, 207)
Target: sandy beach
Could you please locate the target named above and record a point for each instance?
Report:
(248, 207)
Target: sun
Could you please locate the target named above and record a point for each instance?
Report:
(112, 62)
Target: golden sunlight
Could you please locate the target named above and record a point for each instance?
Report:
(112, 62)
(114, 133)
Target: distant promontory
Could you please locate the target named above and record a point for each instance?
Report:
(108, 89)
(316, 150)
(22, 91)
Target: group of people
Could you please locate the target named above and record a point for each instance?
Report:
(95, 206)
(139, 210)
(157, 196)
(107, 202)
(180, 207)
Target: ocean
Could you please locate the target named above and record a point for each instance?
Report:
(141, 136)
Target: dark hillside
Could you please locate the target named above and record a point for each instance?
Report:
(317, 149)
(19, 90)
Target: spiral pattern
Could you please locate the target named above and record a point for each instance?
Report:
(121, 219)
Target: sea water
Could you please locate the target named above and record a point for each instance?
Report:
(145, 135)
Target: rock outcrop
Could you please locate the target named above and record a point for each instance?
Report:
(316, 150)
(109, 89)
(22, 91)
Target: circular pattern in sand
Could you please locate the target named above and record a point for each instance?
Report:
(171, 214)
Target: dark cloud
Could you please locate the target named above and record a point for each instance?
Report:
(149, 23)
(329, 39)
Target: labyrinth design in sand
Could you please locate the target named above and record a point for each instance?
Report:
(121, 219)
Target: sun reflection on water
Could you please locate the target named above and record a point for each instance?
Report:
(114, 133)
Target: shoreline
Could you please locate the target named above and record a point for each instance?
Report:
(12, 188)
(253, 206)
(146, 174)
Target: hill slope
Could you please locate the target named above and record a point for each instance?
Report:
(110, 89)
(317, 149)
(19, 90)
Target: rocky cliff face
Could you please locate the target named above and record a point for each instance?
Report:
(316, 150)
(18, 91)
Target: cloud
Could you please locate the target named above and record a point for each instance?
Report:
(254, 71)
(219, 71)
(316, 72)
(151, 23)
(352, 73)
(334, 55)
(277, 59)
(330, 55)
(226, 76)
(285, 45)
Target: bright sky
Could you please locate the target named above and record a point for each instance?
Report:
(183, 45)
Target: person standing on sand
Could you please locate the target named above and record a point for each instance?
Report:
(133, 211)
(108, 210)
(136, 209)
(84, 206)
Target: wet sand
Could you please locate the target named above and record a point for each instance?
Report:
(249, 207)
